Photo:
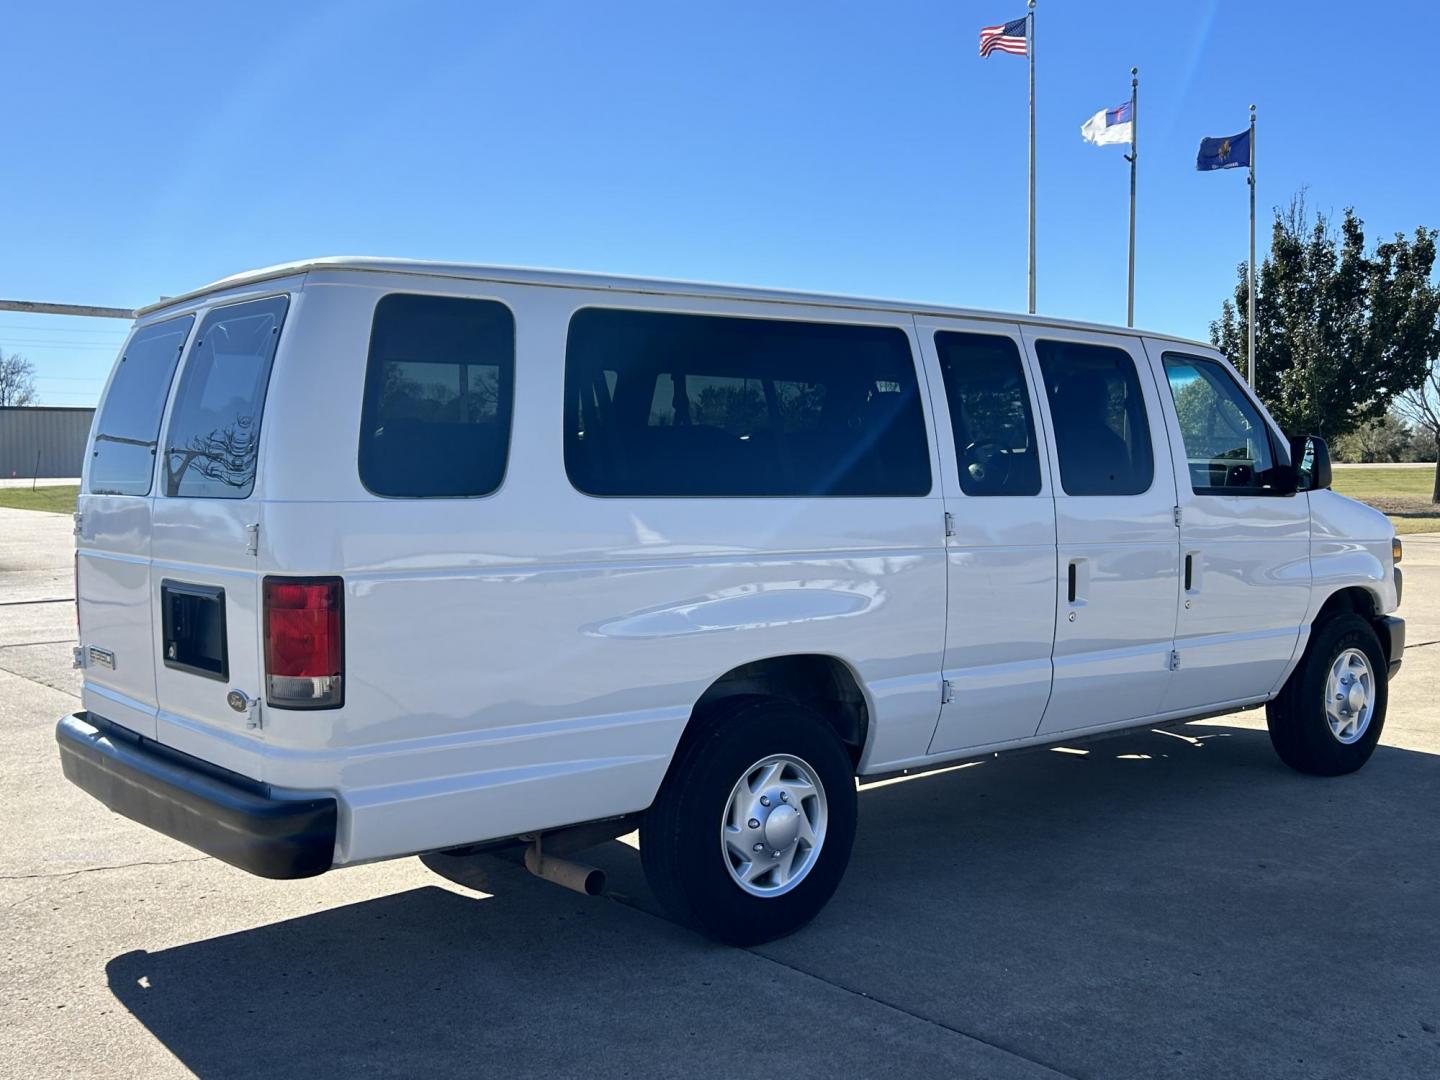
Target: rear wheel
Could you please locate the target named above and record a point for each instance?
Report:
(1329, 716)
(752, 829)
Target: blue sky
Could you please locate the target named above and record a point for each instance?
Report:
(847, 147)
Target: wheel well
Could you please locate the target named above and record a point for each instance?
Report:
(822, 683)
(1352, 599)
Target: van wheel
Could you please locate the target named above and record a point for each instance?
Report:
(752, 829)
(1329, 716)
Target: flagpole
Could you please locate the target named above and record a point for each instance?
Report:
(1250, 318)
(1134, 153)
(1030, 50)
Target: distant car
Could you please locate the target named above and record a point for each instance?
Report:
(378, 557)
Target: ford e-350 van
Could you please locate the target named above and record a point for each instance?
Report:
(378, 557)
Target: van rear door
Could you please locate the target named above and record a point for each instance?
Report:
(113, 529)
(205, 593)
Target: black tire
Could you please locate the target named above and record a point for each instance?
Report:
(1296, 718)
(680, 849)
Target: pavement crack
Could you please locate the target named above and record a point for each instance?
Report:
(48, 600)
(37, 682)
(58, 874)
(882, 1002)
(1009, 1051)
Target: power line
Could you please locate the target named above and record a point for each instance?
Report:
(35, 346)
(33, 343)
(46, 326)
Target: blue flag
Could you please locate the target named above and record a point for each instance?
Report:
(1227, 153)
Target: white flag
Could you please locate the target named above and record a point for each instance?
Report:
(1110, 126)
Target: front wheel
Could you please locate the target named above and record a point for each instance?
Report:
(752, 829)
(1328, 718)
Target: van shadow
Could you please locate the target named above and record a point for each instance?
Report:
(1160, 905)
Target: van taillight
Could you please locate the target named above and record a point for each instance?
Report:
(304, 643)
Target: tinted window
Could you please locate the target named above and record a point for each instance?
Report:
(662, 404)
(123, 457)
(438, 390)
(1227, 443)
(1102, 437)
(214, 437)
(990, 414)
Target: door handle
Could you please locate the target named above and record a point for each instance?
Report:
(1078, 582)
(1189, 570)
(1192, 571)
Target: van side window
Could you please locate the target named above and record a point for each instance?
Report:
(1102, 435)
(214, 436)
(1227, 443)
(439, 386)
(660, 404)
(989, 414)
(123, 457)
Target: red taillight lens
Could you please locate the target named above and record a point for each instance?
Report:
(304, 642)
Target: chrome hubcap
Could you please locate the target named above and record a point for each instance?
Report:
(774, 825)
(1349, 696)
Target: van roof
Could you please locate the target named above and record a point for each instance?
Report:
(575, 279)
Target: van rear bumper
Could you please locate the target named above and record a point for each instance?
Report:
(215, 811)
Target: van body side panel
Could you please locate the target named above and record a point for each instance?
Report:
(530, 658)
(1350, 545)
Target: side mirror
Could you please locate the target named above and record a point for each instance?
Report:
(1311, 455)
(1283, 480)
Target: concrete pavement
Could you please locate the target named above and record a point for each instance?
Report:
(1160, 905)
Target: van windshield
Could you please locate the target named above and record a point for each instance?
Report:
(123, 457)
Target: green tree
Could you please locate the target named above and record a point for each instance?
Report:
(1386, 439)
(1339, 333)
(1421, 406)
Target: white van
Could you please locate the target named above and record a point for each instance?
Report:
(379, 557)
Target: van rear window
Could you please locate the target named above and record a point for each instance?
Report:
(123, 457)
(438, 392)
(663, 404)
(213, 441)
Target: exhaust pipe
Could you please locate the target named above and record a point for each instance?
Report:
(589, 880)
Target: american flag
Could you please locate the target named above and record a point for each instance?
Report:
(1007, 37)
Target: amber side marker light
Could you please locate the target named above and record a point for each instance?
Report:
(1397, 550)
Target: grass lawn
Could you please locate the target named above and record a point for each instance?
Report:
(1382, 481)
(1407, 525)
(1404, 494)
(57, 500)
